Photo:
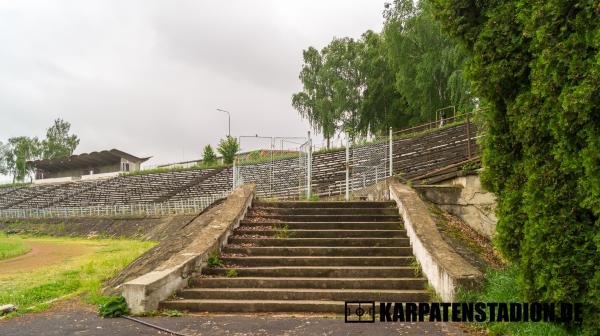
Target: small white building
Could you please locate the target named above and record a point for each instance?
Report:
(85, 166)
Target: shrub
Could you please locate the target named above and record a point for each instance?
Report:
(209, 158)
(115, 306)
(535, 64)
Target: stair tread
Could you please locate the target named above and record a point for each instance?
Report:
(258, 301)
(315, 267)
(317, 238)
(342, 222)
(311, 278)
(318, 257)
(305, 290)
(319, 247)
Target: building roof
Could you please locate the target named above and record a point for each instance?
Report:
(85, 160)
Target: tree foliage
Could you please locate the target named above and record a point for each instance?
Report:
(58, 142)
(18, 150)
(228, 147)
(536, 63)
(209, 157)
(428, 66)
(391, 79)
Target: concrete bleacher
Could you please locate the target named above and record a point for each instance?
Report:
(412, 156)
(121, 190)
(280, 179)
(137, 189)
(217, 182)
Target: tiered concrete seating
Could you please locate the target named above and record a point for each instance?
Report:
(280, 179)
(18, 196)
(217, 183)
(136, 189)
(52, 196)
(284, 178)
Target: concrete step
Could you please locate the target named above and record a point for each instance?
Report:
(389, 242)
(318, 251)
(253, 306)
(316, 271)
(258, 211)
(334, 233)
(309, 282)
(312, 294)
(255, 261)
(326, 218)
(324, 204)
(328, 225)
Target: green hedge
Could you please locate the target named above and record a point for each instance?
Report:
(537, 65)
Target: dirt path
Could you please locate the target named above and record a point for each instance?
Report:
(44, 253)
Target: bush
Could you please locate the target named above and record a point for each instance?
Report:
(209, 158)
(501, 286)
(228, 147)
(535, 63)
(114, 306)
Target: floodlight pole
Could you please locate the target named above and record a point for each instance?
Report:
(229, 117)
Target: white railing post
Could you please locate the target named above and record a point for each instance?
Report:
(391, 153)
(309, 172)
(234, 174)
(347, 169)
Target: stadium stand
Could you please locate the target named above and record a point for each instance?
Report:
(412, 156)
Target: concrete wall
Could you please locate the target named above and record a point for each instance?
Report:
(77, 173)
(133, 166)
(54, 180)
(464, 197)
(445, 269)
(143, 294)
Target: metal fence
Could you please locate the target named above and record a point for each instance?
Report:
(283, 170)
(189, 206)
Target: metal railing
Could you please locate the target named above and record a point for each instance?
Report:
(189, 206)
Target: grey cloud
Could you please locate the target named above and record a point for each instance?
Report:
(147, 76)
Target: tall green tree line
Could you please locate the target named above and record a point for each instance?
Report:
(536, 63)
(394, 78)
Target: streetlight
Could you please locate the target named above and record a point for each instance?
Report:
(229, 115)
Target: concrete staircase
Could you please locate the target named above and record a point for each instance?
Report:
(309, 257)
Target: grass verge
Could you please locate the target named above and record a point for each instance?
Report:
(81, 275)
(501, 286)
(10, 248)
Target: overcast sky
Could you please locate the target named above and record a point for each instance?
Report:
(146, 76)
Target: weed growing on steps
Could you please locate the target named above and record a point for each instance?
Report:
(281, 231)
(418, 271)
(214, 260)
(232, 273)
(171, 313)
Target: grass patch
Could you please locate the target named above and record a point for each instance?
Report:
(172, 169)
(501, 286)
(81, 275)
(18, 184)
(10, 248)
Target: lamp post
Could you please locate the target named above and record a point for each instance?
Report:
(229, 117)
